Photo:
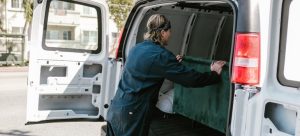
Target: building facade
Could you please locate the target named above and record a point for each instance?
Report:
(12, 43)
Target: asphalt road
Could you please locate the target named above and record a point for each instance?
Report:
(13, 112)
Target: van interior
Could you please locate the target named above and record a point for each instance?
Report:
(202, 32)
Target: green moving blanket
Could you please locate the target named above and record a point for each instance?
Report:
(207, 105)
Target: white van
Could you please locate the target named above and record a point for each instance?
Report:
(71, 76)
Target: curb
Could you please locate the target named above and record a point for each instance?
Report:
(13, 69)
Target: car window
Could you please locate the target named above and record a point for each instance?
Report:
(72, 26)
(290, 48)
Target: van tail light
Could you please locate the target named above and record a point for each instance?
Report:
(246, 61)
(119, 42)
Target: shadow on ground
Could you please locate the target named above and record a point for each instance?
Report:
(65, 120)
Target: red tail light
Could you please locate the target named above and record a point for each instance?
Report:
(246, 61)
(119, 41)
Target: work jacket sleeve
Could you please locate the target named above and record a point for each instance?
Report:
(178, 73)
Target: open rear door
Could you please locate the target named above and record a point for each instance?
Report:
(68, 60)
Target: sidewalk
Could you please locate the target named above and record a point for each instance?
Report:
(14, 69)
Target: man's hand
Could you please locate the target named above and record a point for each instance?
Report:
(217, 66)
(179, 58)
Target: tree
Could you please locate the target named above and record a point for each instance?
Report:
(28, 10)
(1, 28)
(1, 23)
(119, 10)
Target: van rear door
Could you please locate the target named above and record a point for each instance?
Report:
(282, 105)
(68, 60)
(271, 107)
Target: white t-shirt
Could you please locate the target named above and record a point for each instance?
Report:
(165, 97)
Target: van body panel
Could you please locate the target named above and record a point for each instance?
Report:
(248, 16)
(273, 110)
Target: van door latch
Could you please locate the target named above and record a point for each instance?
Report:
(251, 89)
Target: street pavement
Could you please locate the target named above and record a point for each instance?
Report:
(13, 111)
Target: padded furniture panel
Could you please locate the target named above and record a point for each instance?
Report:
(207, 105)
